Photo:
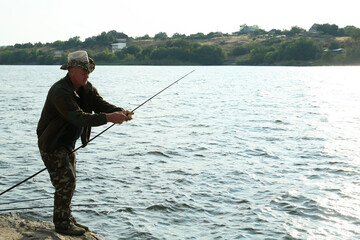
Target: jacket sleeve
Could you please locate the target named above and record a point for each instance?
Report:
(69, 109)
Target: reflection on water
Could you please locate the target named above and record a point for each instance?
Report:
(227, 153)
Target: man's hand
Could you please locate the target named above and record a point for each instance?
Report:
(128, 113)
(119, 117)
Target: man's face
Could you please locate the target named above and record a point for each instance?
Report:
(78, 76)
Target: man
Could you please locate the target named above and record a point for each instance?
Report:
(73, 105)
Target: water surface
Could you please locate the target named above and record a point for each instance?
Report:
(226, 153)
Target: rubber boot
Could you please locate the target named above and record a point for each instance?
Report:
(71, 230)
(73, 220)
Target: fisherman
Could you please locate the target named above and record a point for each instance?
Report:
(73, 105)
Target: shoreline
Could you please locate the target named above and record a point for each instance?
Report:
(13, 227)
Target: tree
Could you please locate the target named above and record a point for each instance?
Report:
(161, 36)
(214, 34)
(258, 32)
(275, 32)
(145, 37)
(302, 49)
(341, 32)
(105, 39)
(355, 34)
(105, 56)
(146, 52)
(159, 53)
(58, 45)
(296, 31)
(73, 42)
(251, 30)
(25, 45)
(178, 36)
(178, 43)
(352, 53)
(89, 42)
(334, 45)
(270, 57)
(240, 50)
(348, 30)
(328, 29)
(197, 36)
(133, 50)
(38, 45)
(257, 55)
(45, 57)
(210, 55)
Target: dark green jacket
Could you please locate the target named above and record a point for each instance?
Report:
(64, 106)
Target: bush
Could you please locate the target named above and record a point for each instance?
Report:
(257, 55)
(209, 55)
(240, 50)
(302, 49)
(105, 56)
(352, 52)
(334, 45)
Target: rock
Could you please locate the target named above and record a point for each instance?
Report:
(12, 227)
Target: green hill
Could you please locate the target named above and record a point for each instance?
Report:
(321, 45)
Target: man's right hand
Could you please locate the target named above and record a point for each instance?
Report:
(119, 117)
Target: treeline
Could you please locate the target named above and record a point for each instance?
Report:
(318, 47)
(321, 29)
(172, 52)
(105, 39)
(29, 56)
(300, 51)
(321, 45)
(175, 51)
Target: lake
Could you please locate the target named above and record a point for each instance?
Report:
(229, 152)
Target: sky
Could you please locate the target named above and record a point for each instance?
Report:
(23, 21)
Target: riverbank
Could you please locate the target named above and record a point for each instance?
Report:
(303, 48)
(13, 227)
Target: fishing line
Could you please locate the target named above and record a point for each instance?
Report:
(74, 205)
(100, 132)
(28, 200)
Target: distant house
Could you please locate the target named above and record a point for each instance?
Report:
(313, 29)
(121, 43)
(58, 53)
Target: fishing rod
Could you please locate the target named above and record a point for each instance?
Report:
(100, 132)
(134, 109)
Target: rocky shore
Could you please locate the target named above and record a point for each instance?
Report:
(12, 227)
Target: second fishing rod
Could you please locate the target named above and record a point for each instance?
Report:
(106, 129)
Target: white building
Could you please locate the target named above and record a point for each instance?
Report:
(119, 45)
(58, 53)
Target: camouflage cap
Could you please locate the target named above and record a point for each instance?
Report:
(79, 59)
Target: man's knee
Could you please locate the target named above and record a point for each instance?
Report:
(68, 178)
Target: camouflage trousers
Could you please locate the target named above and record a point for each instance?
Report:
(61, 167)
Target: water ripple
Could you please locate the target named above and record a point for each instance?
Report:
(235, 153)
